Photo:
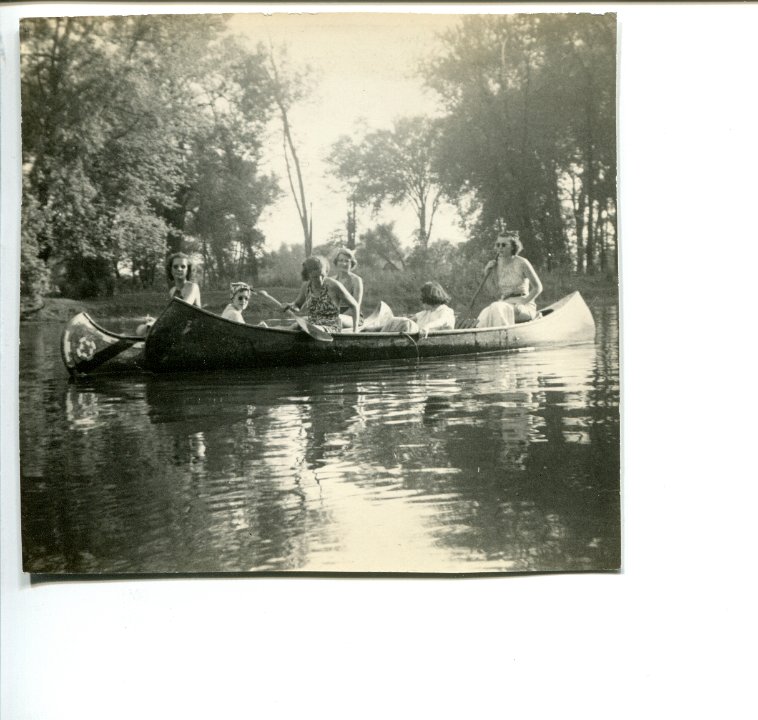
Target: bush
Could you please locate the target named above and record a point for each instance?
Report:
(35, 275)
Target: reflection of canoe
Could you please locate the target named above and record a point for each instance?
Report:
(188, 338)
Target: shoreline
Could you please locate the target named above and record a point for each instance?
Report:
(134, 306)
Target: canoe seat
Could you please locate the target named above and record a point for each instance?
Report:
(465, 323)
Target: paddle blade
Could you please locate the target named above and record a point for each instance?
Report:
(375, 322)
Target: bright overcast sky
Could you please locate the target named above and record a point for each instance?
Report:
(364, 65)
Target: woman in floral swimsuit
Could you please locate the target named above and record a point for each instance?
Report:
(321, 297)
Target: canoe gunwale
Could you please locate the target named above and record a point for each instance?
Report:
(186, 338)
(544, 313)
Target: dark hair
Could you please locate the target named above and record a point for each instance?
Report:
(433, 294)
(350, 255)
(170, 262)
(314, 262)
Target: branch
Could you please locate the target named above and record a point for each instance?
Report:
(435, 205)
(289, 176)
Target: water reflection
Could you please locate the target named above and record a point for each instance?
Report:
(503, 462)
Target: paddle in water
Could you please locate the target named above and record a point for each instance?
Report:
(305, 325)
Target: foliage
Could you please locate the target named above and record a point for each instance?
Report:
(138, 131)
(393, 166)
(380, 248)
(35, 276)
(529, 133)
(282, 266)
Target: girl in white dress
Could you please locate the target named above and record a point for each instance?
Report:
(436, 315)
(515, 283)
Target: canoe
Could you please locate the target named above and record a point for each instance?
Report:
(88, 348)
(188, 338)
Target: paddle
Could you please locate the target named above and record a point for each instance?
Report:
(468, 320)
(307, 327)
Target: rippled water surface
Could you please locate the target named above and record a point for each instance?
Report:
(490, 463)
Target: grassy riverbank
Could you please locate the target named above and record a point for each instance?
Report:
(402, 297)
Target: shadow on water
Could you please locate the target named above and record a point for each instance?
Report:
(490, 463)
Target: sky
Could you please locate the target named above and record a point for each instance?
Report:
(364, 69)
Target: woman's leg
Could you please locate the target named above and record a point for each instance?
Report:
(498, 314)
(525, 313)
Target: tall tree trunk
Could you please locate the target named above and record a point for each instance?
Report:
(422, 236)
(351, 224)
(290, 149)
(578, 203)
(589, 176)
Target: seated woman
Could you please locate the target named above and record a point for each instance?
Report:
(437, 315)
(321, 296)
(344, 261)
(240, 297)
(515, 283)
(179, 275)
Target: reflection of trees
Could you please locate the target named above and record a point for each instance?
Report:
(192, 473)
(138, 486)
(503, 462)
(514, 455)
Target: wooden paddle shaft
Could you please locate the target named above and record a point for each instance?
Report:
(479, 289)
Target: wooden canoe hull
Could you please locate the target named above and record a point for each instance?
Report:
(187, 338)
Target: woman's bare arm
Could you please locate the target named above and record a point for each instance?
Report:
(349, 299)
(535, 285)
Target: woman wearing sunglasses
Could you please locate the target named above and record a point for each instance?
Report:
(515, 283)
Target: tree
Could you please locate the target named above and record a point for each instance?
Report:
(380, 245)
(394, 166)
(529, 133)
(121, 116)
(288, 87)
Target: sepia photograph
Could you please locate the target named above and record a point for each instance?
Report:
(319, 293)
(373, 360)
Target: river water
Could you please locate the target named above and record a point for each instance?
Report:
(506, 462)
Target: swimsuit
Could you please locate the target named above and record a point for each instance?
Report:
(323, 311)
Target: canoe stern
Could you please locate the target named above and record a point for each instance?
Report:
(87, 348)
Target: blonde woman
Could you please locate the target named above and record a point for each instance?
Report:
(515, 283)
(345, 262)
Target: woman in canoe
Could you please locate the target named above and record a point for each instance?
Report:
(514, 281)
(321, 297)
(179, 275)
(240, 297)
(436, 315)
(344, 261)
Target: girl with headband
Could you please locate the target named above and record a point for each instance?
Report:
(239, 299)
